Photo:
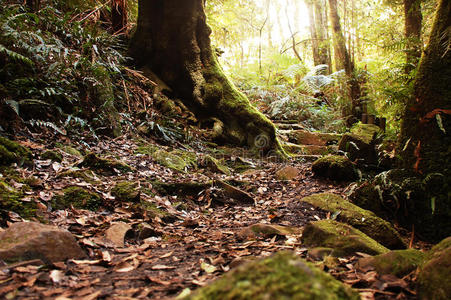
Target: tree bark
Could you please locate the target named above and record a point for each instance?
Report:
(313, 33)
(322, 32)
(412, 20)
(173, 40)
(342, 59)
(426, 127)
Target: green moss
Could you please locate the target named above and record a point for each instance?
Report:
(10, 199)
(78, 198)
(215, 166)
(334, 167)
(104, 166)
(126, 191)
(68, 149)
(177, 160)
(432, 279)
(397, 262)
(281, 276)
(52, 155)
(364, 220)
(13, 152)
(147, 149)
(366, 132)
(83, 174)
(343, 238)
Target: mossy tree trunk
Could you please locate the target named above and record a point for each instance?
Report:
(426, 128)
(172, 39)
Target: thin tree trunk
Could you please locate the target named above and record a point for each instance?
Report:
(172, 39)
(322, 33)
(342, 60)
(313, 34)
(412, 19)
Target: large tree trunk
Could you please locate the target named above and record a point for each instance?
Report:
(172, 39)
(321, 31)
(313, 33)
(426, 128)
(412, 21)
(342, 59)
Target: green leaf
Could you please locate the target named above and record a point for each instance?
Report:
(433, 205)
(440, 123)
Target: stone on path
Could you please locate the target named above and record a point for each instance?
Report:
(287, 173)
(30, 240)
(116, 233)
(280, 276)
(344, 239)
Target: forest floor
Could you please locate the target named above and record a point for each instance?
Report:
(187, 247)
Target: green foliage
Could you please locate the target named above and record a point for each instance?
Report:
(51, 58)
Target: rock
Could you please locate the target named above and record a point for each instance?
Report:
(177, 160)
(319, 253)
(265, 231)
(364, 220)
(29, 240)
(281, 276)
(77, 197)
(104, 166)
(309, 149)
(52, 155)
(145, 230)
(234, 193)
(409, 199)
(302, 137)
(287, 173)
(215, 166)
(10, 200)
(116, 233)
(343, 238)
(334, 167)
(432, 282)
(360, 143)
(13, 152)
(126, 191)
(397, 262)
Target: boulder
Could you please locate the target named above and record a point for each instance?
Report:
(364, 220)
(334, 167)
(126, 191)
(397, 262)
(360, 142)
(287, 173)
(432, 279)
(104, 166)
(343, 238)
(281, 276)
(29, 240)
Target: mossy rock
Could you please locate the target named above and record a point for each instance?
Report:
(281, 276)
(343, 238)
(13, 152)
(334, 167)
(69, 149)
(104, 166)
(309, 149)
(266, 231)
(360, 143)
(215, 165)
(79, 198)
(409, 199)
(10, 199)
(52, 155)
(364, 220)
(397, 262)
(432, 279)
(126, 191)
(152, 210)
(83, 174)
(175, 160)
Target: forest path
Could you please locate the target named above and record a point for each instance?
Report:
(195, 240)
